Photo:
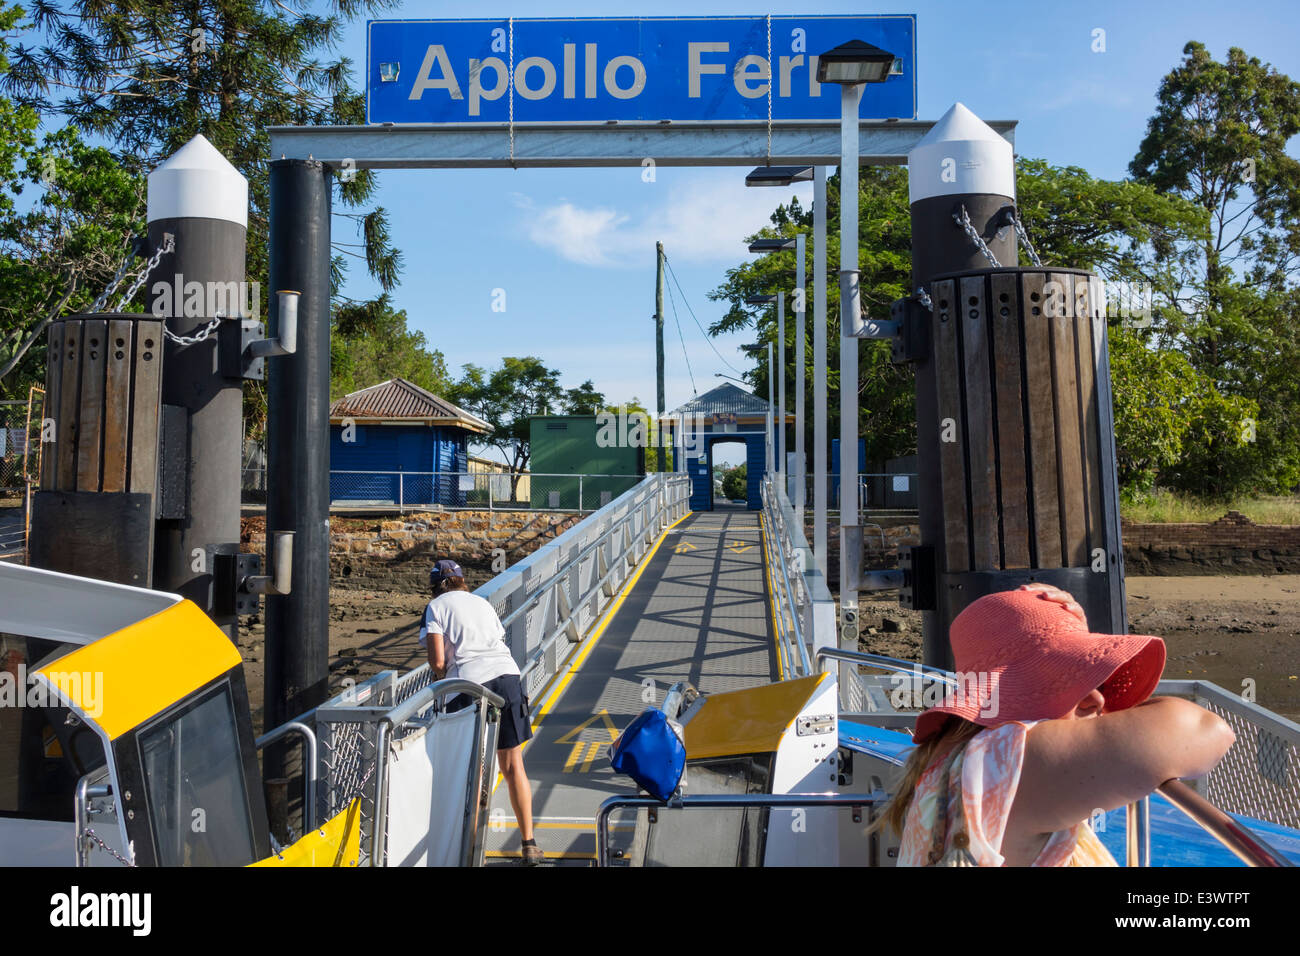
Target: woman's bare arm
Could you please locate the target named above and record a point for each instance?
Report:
(1074, 767)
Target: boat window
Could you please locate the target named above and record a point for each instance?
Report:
(44, 749)
(194, 778)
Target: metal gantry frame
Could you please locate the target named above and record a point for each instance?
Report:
(817, 143)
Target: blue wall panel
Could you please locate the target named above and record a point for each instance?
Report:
(398, 448)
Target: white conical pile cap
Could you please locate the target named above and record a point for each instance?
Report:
(961, 154)
(197, 182)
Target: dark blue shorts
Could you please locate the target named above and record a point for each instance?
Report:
(516, 716)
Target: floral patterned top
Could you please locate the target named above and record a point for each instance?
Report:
(989, 771)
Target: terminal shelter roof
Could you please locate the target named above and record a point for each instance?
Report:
(726, 399)
(398, 400)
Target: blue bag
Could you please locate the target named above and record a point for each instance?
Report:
(651, 752)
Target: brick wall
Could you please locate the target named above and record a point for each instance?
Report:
(1231, 545)
(395, 554)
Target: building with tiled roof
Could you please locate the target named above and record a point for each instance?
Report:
(397, 444)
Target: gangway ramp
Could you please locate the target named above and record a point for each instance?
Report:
(697, 609)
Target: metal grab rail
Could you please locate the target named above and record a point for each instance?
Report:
(1239, 839)
(85, 793)
(400, 715)
(310, 771)
(728, 802)
(910, 668)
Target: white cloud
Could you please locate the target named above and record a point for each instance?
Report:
(702, 219)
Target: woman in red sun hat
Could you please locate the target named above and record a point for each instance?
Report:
(1063, 727)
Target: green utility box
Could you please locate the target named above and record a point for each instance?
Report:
(582, 462)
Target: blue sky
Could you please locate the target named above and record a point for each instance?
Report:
(574, 249)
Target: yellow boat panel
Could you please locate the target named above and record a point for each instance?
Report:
(748, 721)
(125, 678)
(337, 843)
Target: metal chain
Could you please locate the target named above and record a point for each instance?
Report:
(962, 219)
(1024, 238)
(112, 286)
(924, 298)
(169, 243)
(511, 54)
(197, 337)
(88, 831)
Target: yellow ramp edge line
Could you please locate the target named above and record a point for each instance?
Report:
(600, 627)
(123, 679)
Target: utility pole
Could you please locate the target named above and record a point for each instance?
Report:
(659, 343)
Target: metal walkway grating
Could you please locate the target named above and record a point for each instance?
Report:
(699, 612)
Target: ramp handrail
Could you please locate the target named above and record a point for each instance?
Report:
(549, 600)
(804, 609)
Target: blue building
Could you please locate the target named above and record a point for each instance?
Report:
(396, 444)
(723, 414)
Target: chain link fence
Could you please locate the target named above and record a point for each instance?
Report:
(415, 490)
(20, 436)
(14, 446)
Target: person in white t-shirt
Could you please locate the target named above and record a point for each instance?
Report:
(464, 638)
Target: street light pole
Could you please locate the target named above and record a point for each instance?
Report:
(771, 450)
(819, 367)
(800, 482)
(780, 365)
(850, 325)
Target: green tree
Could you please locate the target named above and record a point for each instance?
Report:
(1218, 139)
(371, 345)
(67, 213)
(583, 400)
(885, 390)
(148, 76)
(506, 399)
(1125, 231)
(735, 483)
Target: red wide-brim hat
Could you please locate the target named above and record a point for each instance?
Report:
(1033, 658)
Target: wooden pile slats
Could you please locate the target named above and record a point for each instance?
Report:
(1017, 395)
(103, 389)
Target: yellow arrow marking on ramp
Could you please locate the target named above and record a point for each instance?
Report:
(584, 750)
(684, 547)
(739, 547)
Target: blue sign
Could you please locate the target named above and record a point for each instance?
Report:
(595, 70)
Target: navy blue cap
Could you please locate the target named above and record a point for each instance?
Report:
(445, 569)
